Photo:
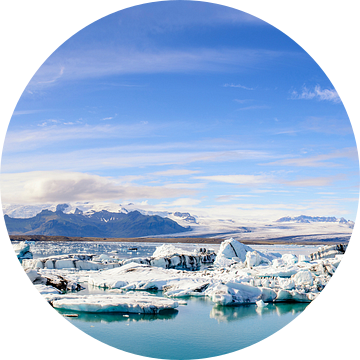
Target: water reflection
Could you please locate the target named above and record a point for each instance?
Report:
(234, 313)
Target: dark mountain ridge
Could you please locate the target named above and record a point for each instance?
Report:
(98, 224)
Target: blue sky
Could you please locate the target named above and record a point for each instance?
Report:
(189, 106)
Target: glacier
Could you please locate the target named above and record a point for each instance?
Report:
(234, 275)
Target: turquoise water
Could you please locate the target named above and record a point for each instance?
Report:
(193, 331)
(196, 330)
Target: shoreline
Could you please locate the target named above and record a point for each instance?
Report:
(288, 240)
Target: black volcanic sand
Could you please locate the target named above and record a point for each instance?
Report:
(288, 240)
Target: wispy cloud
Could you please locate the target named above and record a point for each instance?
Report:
(317, 93)
(255, 107)
(101, 62)
(226, 198)
(27, 112)
(315, 181)
(318, 160)
(121, 157)
(57, 132)
(238, 86)
(238, 179)
(175, 172)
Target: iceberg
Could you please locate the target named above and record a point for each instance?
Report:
(70, 261)
(232, 248)
(170, 257)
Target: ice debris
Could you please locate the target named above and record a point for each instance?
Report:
(236, 275)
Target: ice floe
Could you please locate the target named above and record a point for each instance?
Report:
(126, 303)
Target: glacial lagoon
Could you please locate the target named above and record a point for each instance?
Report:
(196, 328)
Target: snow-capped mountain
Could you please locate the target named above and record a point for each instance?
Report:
(201, 223)
(312, 219)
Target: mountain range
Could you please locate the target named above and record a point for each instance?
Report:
(96, 224)
(309, 219)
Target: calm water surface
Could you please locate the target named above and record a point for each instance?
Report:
(196, 330)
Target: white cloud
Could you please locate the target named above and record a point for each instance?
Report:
(57, 186)
(40, 137)
(314, 181)
(226, 198)
(99, 62)
(239, 179)
(175, 172)
(317, 93)
(182, 202)
(238, 86)
(318, 160)
(255, 107)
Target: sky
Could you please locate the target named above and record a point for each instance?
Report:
(183, 106)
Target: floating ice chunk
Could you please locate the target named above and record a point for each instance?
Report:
(294, 295)
(289, 259)
(235, 293)
(304, 258)
(303, 277)
(267, 294)
(32, 274)
(284, 295)
(45, 290)
(126, 303)
(252, 259)
(261, 304)
(167, 250)
(278, 262)
(286, 284)
(232, 248)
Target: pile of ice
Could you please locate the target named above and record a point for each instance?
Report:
(166, 256)
(22, 251)
(236, 275)
(170, 257)
(247, 277)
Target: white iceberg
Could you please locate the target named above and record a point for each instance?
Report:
(232, 248)
(260, 304)
(70, 261)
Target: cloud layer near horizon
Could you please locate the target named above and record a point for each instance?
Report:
(55, 186)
